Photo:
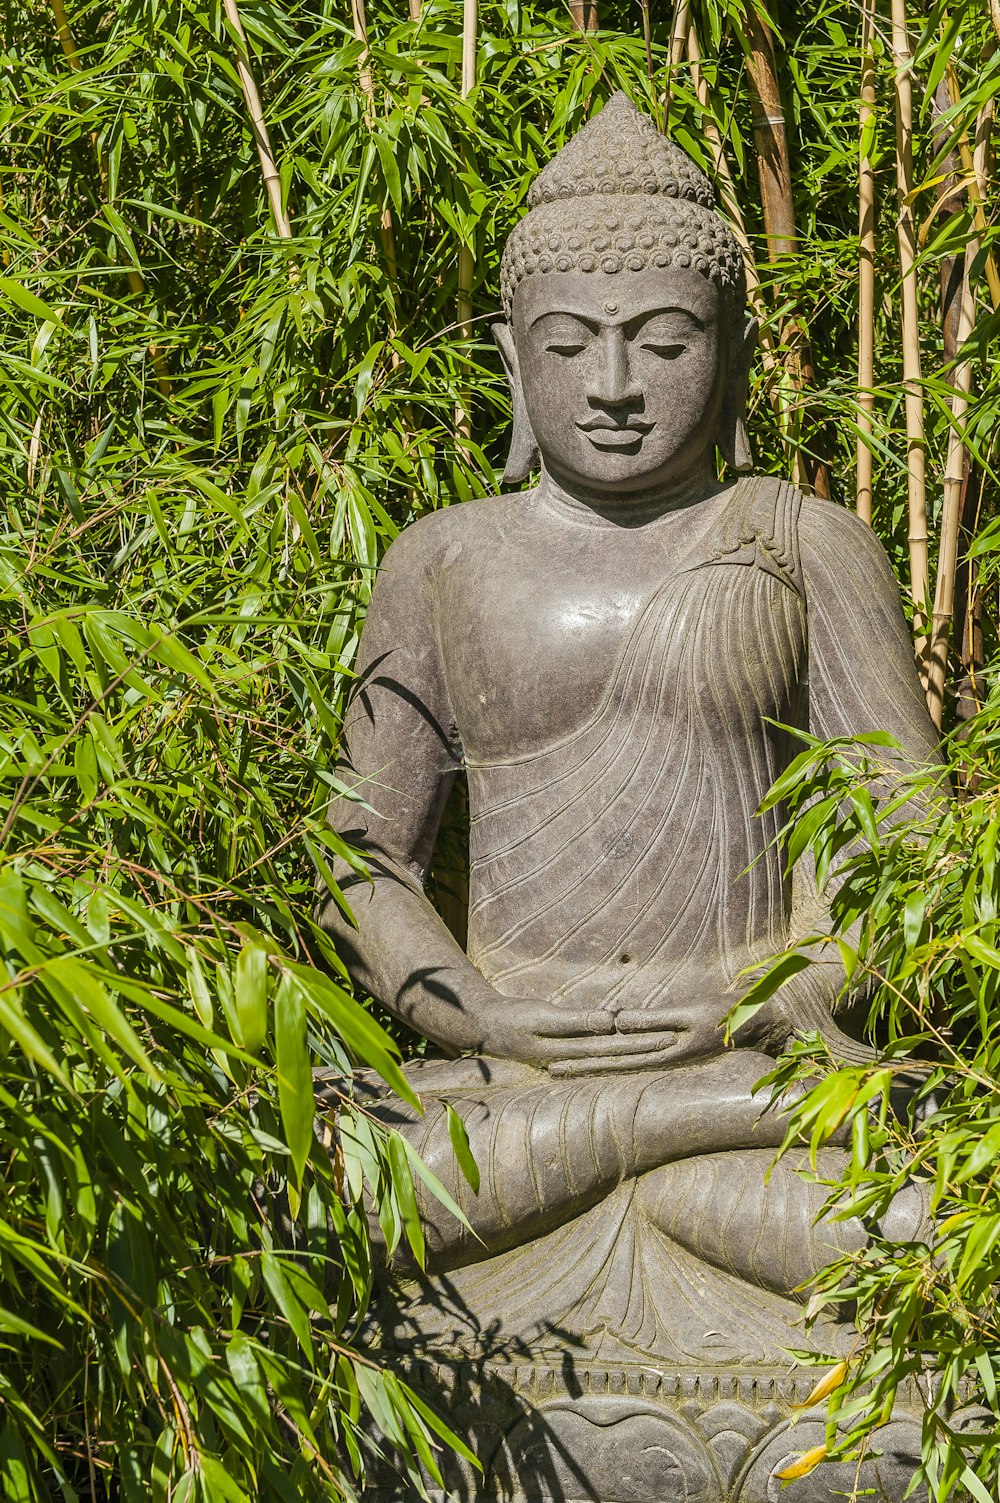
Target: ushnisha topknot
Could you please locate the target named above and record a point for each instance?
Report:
(621, 197)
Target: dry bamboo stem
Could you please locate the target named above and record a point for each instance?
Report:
(647, 38)
(951, 510)
(584, 16)
(730, 203)
(915, 456)
(466, 257)
(679, 29)
(679, 33)
(974, 165)
(268, 166)
(136, 281)
(775, 175)
(772, 141)
(866, 266)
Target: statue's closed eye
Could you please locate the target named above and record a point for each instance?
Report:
(573, 347)
(666, 351)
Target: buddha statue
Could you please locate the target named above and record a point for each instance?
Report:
(613, 656)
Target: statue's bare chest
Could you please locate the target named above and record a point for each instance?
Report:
(532, 628)
(526, 657)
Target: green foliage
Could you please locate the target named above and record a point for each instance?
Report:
(917, 911)
(207, 437)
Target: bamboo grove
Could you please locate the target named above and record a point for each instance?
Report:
(250, 251)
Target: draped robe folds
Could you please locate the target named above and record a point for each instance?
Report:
(624, 865)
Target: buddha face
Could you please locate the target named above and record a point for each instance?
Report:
(623, 376)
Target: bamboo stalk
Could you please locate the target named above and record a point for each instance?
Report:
(360, 22)
(466, 255)
(951, 510)
(679, 32)
(136, 281)
(775, 176)
(974, 164)
(866, 266)
(771, 139)
(584, 16)
(679, 29)
(914, 400)
(268, 165)
(731, 206)
(647, 38)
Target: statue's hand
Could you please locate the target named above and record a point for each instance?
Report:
(565, 1042)
(654, 1038)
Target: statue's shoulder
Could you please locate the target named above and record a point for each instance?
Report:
(843, 562)
(441, 538)
(835, 532)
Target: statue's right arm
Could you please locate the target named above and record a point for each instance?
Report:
(401, 751)
(400, 754)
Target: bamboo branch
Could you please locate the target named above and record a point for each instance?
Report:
(866, 266)
(268, 165)
(914, 400)
(951, 510)
(647, 39)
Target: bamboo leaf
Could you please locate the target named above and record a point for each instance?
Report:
(295, 1091)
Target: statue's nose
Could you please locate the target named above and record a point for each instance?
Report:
(611, 383)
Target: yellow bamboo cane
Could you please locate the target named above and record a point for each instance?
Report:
(914, 400)
(866, 266)
(258, 125)
(466, 255)
(951, 509)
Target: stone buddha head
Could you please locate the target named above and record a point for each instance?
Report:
(626, 341)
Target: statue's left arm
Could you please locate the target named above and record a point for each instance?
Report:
(862, 677)
(862, 672)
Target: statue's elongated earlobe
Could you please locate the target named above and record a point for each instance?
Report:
(734, 445)
(523, 456)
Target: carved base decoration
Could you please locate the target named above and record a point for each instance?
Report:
(603, 1363)
(635, 1434)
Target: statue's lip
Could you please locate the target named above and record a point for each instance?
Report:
(600, 425)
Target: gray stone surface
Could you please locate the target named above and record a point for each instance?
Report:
(609, 658)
